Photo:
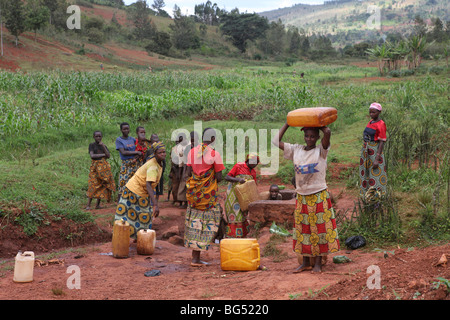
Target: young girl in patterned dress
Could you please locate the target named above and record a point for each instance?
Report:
(126, 146)
(101, 181)
(315, 232)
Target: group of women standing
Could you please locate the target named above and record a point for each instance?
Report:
(199, 171)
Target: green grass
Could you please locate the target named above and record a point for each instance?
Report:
(48, 119)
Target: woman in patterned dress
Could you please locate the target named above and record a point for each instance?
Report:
(101, 182)
(315, 233)
(204, 167)
(237, 220)
(372, 170)
(126, 145)
(138, 204)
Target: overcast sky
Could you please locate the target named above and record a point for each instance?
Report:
(187, 6)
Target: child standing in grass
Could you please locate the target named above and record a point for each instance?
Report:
(126, 146)
(101, 182)
(315, 233)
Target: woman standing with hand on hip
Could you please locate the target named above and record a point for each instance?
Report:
(315, 232)
(372, 170)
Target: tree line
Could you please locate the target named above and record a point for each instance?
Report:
(250, 33)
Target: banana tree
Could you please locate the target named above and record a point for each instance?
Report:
(417, 46)
(381, 54)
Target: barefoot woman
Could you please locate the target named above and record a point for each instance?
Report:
(315, 233)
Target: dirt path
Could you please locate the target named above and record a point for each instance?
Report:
(105, 277)
(408, 274)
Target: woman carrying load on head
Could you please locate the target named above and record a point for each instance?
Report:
(138, 204)
(372, 170)
(315, 232)
(204, 166)
(237, 220)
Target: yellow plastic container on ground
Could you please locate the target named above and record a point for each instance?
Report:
(246, 193)
(312, 117)
(24, 267)
(146, 241)
(239, 254)
(121, 239)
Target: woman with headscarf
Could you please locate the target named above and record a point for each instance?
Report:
(138, 204)
(372, 170)
(203, 212)
(237, 219)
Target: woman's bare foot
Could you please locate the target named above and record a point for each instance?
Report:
(317, 265)
(199, 263)
(196, 262)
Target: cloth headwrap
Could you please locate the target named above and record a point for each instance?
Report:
(158, 145)
(251, 157)
(376, 106)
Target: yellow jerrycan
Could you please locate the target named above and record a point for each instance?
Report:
(246, 193)
(146, 241)
(311, 117)
(24, 267)
(239, 254)
(121, 239)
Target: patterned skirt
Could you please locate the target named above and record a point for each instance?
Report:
(127, 170)
(201, 227)
(101, 181)
(372, 181)
(315, 232)
(136, 210)
(238, 225)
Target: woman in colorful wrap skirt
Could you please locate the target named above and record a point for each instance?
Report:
(237, 220)
(315, 233)
(372, 170)
(101, 181)
(138, 204)
(126, 146)
(203, 212)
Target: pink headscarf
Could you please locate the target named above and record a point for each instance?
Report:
(376, 106)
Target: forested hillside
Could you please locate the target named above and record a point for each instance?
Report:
(334, 30)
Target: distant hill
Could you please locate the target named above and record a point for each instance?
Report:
(349, 17)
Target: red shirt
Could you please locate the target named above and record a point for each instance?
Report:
(242, 168)
(375, 131)
(201, 164)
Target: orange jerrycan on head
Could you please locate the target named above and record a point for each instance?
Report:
(311, 117)
(239, 254)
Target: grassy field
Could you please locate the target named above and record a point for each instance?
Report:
(47, 121)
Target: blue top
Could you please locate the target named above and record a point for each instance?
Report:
(128, 144)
